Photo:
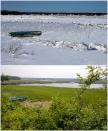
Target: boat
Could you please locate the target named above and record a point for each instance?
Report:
(25, 33)
(18, 98)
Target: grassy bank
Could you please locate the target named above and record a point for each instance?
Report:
(46, 93)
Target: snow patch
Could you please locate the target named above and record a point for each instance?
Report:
(77, 46)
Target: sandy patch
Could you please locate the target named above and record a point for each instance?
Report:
(40, 104)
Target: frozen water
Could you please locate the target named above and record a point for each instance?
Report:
(65, 40)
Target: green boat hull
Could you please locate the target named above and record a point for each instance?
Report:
(25, 33)
(18, 98)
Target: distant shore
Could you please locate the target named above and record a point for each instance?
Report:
(7, 12)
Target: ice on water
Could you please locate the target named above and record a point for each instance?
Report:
(64, 40)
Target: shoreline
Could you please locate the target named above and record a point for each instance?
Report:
(7, 12)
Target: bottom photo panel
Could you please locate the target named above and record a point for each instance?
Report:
(53, 97)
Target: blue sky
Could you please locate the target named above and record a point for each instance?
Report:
(55, 6)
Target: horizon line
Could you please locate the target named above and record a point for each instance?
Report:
(50, 11)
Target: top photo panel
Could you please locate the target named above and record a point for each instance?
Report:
(53, 32)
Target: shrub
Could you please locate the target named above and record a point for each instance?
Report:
(63, 114)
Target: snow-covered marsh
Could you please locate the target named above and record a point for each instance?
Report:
(65, 40)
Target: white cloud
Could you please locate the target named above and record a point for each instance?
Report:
(45, 71)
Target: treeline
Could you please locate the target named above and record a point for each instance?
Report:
(7, 12)
(7, 78)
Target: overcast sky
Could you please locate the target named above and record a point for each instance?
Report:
(44, 71)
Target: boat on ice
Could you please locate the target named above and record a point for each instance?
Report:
(25, 33)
